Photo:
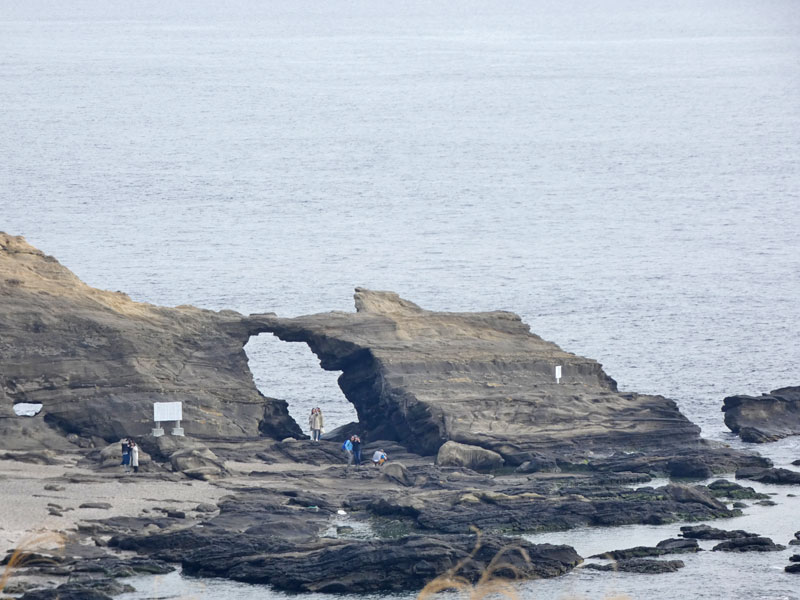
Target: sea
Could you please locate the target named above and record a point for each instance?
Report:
(623, 175)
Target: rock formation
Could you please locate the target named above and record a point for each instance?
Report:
(97, 361)
(764, 418)
(481, 379)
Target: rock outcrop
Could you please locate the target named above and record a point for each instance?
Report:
(97, 361)
(670, 546)
(749, 544)
(453, 454)
(777, 476)
(764, 418)
(343, 566)
(478, 378)
(640, 565)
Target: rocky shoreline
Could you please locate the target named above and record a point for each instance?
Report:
(485, 445)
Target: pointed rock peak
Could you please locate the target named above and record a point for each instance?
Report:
(384, 303)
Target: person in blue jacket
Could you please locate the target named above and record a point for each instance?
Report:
(347, 446)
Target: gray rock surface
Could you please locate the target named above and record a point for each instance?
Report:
(764, 418)
(97, 361)
(749, 544)
(777, 476)
(477, 378)
(398, 473)
(670, 546)
(640, 565)
(453, 454)
(706, 532)
(343, 566)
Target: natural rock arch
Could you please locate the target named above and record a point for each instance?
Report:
(424, 377)
(291, 372)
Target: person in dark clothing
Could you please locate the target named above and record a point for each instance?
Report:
(356, 450)
(126, 454)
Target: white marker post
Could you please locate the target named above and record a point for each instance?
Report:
(167, 411)
(558, 374)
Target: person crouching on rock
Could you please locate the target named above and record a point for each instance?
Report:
(347, 446)
(357, 450)
(378, 457)
(134, 456)
(316, 423)
(126, 454)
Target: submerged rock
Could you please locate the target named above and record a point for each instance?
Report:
(706, 532)
(671, 546)
(764, 418)
(772, 475)
(640, 565)
(749, 544)
(68, 591)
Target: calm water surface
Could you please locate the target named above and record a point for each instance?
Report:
(624, 177)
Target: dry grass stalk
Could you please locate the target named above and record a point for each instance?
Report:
(23, 556)
(489, 584)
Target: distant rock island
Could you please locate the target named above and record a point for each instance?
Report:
(764, 418)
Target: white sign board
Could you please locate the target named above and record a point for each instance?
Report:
(167, 411)
(24, 409)
(558, 373)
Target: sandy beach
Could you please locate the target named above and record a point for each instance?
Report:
(45, 499)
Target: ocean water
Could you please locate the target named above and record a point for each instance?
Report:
(623, 175)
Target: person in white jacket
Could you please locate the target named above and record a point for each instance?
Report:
(316, 424)
(134, 456)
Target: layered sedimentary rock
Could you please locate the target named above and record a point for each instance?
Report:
(477, 378)
(97, 361)
(764, 418)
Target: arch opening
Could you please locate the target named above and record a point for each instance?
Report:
(291, 371)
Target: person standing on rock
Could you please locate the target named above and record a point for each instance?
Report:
(316, 423)
(357, 450)
(134, 456)
(347, 446)
(126, 454)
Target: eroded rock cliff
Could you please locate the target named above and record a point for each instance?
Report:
(477, 378)
(97, 360)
